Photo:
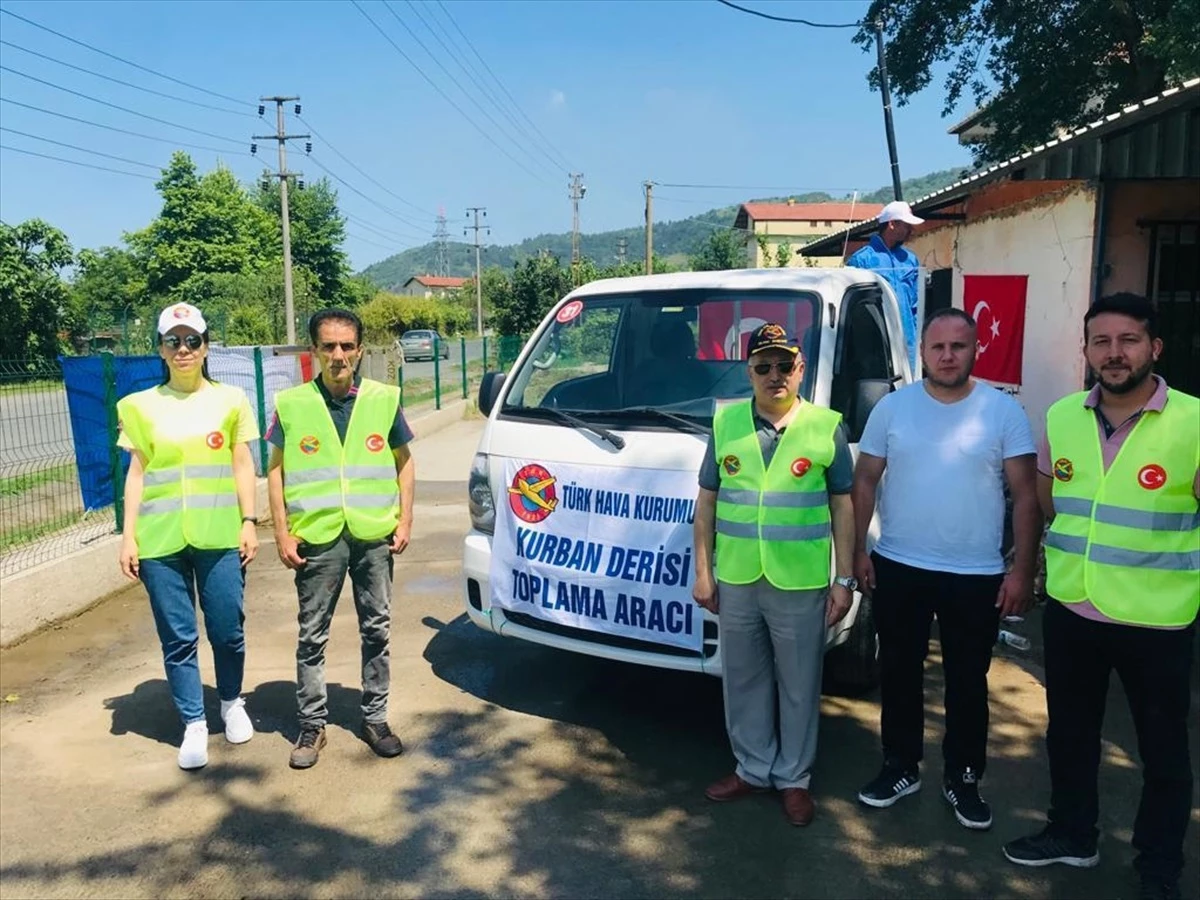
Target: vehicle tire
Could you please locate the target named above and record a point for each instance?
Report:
(852, 668)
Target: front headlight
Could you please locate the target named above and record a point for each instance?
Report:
(479, 496)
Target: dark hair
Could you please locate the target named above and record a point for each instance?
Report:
(166, 370)
(1135, 306)
(948, 312)
(334, 315)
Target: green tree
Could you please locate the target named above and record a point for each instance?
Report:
(724, 249)
(107, 292)
(33, 296)
(357, 290)
(1039, 64)
(318, 233)
(537, 284)
(784, 253)
(207, 225)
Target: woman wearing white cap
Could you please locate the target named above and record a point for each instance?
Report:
(189, 525)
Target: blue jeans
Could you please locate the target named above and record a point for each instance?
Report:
(172, 582)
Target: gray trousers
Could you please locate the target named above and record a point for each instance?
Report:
(319, 583)
(773, 647)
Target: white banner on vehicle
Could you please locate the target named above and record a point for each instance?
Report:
(598, 548)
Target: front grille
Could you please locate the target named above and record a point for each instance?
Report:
(609, 640)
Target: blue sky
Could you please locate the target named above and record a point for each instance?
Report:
(682, 91)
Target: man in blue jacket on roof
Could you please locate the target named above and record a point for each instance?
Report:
(886, 255)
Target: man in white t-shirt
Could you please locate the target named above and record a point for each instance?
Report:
(948, 444)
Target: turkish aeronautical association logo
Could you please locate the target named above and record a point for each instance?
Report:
(1064, 469)
(532, 495)
(1152, 477)
(309, 444)
(215, 440)
(375, 442)
(801, 466)
(731, 464)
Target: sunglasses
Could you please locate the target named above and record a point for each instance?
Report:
(192, 341)
(785, 368)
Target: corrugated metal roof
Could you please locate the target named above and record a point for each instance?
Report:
(1167, 147)
(803, 212)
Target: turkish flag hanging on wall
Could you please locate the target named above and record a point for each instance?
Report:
(997, 304)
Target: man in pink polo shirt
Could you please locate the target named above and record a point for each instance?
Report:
(1119, 478)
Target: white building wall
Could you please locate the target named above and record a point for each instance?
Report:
(1050, 240)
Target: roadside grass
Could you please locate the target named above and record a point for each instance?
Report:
(17, 537)
(41, 385)
(18, 484)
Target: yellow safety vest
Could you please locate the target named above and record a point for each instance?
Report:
(774, 520)
(1127, 539)
(329, 486)
(189, 498)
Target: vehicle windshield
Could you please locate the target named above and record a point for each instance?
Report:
(609, 358)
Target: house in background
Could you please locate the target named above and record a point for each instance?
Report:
(1113, 206)
(795, 224)
(431, 285)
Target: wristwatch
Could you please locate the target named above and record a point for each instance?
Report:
(252, 519)
(847, 581)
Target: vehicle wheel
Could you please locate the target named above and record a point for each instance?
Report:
(852, 668)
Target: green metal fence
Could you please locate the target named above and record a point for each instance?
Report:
(41, 506)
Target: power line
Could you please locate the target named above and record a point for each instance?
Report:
(443, 94)
(763, 15)
(359, 237)
(148, 137)
(129, 84)
(384, 233)
(132, 162)
(752, 187)
(369, 199)
(77, 163)
(348, 162)
(500, 84)
(122, 59)
(500, 129)
(518, 129)
(121, 108)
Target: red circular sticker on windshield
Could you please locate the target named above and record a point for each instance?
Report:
(801, 466)
(215, 440)
(1152, 477)
(375, 443)
(570, 311)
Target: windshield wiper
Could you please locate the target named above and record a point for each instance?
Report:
(650, 412)
(567, 419)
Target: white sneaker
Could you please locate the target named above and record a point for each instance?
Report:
(238, 729)
(193, 752)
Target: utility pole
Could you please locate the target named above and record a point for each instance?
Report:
(442, 237)
(478, 211)
(281, 135)
(622, 247)
(649, 185)
(578, 190)
(886, 91)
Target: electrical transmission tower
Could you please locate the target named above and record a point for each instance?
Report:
(578, 189)
(442, 237)
(478, 211)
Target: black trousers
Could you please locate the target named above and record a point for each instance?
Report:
(905, 601)
(1155, 668)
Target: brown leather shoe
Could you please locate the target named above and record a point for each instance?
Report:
(798, 806)
(732, 787)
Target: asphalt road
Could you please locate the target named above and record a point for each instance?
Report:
(449, 368)
(34, 428)
(529, 772)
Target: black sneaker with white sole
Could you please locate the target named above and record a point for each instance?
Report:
(890, 785)
(1049, 847)
(961, 790)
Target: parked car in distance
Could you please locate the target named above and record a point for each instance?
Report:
(420, 344)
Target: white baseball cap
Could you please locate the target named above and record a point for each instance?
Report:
(181, 314)
(899, 211)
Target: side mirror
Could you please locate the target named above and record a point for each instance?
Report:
(489, 391)
(867, 393)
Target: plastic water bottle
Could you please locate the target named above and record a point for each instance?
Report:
(1016, 641)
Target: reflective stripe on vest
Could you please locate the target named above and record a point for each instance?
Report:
(190, 501)
(330, 486)
(1127, 539)
(773, 521)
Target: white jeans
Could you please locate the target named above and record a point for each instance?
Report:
(772, 639)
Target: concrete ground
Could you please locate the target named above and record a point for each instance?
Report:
(528, 771)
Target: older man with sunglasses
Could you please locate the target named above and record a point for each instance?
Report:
(774, 493)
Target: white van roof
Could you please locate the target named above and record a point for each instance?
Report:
(831, 283)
